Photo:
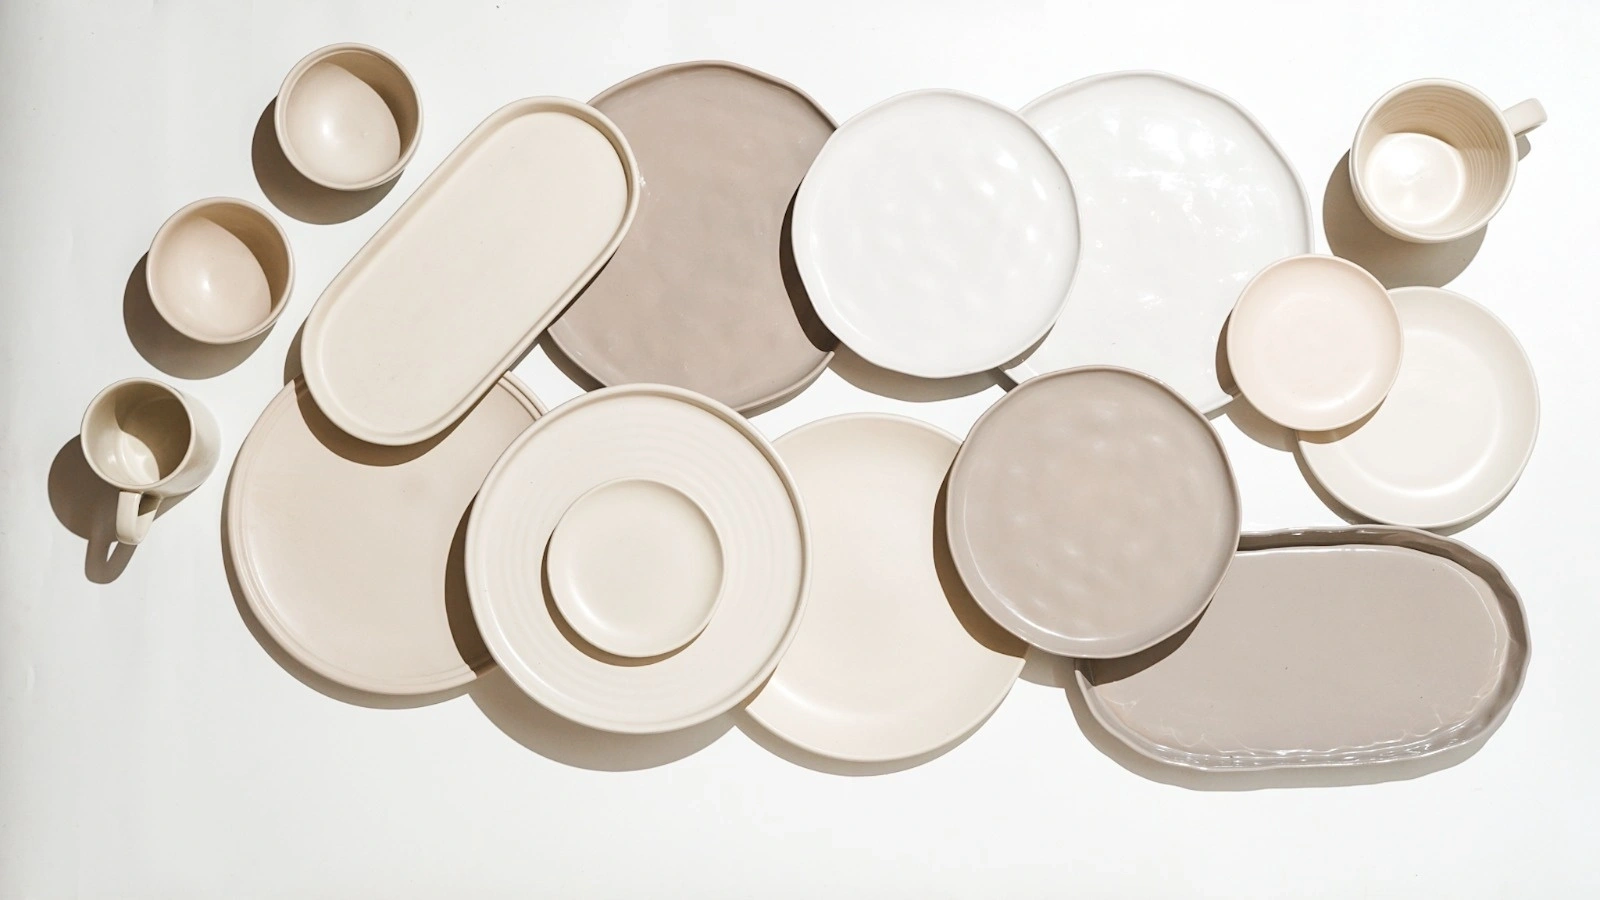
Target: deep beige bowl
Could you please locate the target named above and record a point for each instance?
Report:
(348, 117)
(220, 270)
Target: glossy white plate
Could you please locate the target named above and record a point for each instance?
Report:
(349, 554)
(894, 659)
(936, 234)
(701, 449)
(1456, 430)
(1182, 196)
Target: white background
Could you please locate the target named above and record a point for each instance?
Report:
(150, 747)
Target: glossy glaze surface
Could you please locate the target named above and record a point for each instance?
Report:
(702, 449)
(1454, 433)
(453, 289)
(1183, 197)
(220, 270)
(350, 555)
(937, 234)
(1092, 512)
(702, 293)
(893, 658)
(635, 567)
(1334, 647)
(1314, 342)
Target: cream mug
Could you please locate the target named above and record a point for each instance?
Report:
(1433, 160)
(150, 441)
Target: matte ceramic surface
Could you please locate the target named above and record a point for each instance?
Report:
(1183, 197)
(705, 451)
(1092, 512)
(219, 270)
(893, 659)
(455, 288)
(937, 234)
(1323, 648)
(635, 567)
(348, 117)
(1314, 343)
(702, 293)
(350, 554)
(1434, 160)
(150, 441)
(1456, 430)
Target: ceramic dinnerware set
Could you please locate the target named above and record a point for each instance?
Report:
(642, 558)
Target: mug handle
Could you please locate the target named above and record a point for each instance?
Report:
(135, 512)
(1525, 116)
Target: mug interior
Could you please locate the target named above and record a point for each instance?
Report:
(1434, 159)
(137, 434)
(219, 271)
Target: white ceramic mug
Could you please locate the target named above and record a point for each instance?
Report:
(1433, 160)
(150, 441)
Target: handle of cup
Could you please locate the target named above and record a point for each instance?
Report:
(1525, 116)
(135, 512)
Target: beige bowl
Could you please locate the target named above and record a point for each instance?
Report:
(220, 270)
(348, 117)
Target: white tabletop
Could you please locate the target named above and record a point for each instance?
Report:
(150, 746)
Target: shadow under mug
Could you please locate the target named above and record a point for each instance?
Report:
(150, 441)
(1433, 160)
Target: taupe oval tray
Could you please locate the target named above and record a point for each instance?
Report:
(1325, 648)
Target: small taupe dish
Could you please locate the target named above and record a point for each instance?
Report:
(700, 295)
(1092, 512)
(1323, 648)
(220, 270)
(348, 117)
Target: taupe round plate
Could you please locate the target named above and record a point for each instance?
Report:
(1092, 512)
(702, 293)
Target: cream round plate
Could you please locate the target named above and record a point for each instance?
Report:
(1183, 197)
(349, 553)
(1314, 342)
(635, 567)
(936, 234)
(893, 660)
(1092, 512)
(701, 449)
(1456, 430)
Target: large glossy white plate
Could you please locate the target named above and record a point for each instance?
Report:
(1183, 197)
(894, 659)
(936, 234)
(1456, 430)
(349, 554)
(703, 450)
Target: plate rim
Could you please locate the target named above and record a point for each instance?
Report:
(494, 636)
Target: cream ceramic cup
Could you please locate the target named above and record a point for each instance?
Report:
(150, 441)
(348, 117)
(1433, 160)
(220, 270)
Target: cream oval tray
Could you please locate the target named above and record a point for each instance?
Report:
(458, 284)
